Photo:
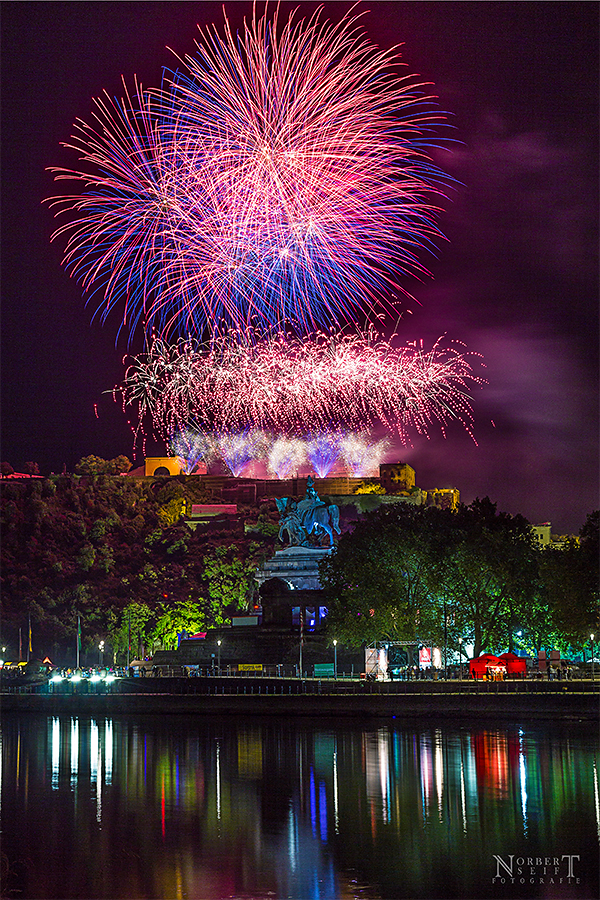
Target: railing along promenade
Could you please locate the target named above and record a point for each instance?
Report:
(517, 700)
(244, 685)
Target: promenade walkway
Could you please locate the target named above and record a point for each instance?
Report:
(518, 700)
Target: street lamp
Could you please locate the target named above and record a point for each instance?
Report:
(460, 659)
(219, 656)
(100, 653)
(335, 659)
(445, 643)
(593, 659)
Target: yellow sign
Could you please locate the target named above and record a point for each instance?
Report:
(250, 667)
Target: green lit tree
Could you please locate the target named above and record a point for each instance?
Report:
(569, 589)
(183, 615)
(230, 578)
(488, 576)
(131, 627)
(415, 573)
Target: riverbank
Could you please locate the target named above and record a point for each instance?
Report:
(266, 697)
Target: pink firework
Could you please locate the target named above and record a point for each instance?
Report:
(280, 180)
(295, 388)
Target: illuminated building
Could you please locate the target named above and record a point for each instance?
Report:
(544, 538)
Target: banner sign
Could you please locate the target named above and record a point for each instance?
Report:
(323, 669)
(425, 657)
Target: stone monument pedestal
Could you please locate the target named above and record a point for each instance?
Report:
(298, 567)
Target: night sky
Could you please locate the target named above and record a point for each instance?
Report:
(516, 279)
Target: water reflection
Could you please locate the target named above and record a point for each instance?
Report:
(209, 808)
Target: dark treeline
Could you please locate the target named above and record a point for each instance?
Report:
(475, 575)
(115, 553)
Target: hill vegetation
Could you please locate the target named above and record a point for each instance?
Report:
(116, 552)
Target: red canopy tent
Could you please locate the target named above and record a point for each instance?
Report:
(479, 667)
(515, 665)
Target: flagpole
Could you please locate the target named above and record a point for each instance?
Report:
(128, 637)
(29, 644)
(78, 638)
(301, 636)
(20, 644)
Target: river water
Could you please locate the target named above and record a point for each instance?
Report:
(203, 808)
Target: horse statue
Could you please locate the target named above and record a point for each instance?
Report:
(307, 520)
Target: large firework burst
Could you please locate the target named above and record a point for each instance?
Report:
(299, 387)
(280, 179)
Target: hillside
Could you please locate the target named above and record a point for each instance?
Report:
(92, 545)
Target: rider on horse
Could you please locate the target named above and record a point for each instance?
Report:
(306, 517)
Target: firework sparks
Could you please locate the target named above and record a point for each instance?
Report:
(285, 456)
(281, 179)
(237, 450)
(323, 450)
(292, 387)
(362, 455)
(192, 447)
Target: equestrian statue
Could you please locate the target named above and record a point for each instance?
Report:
(307, 520)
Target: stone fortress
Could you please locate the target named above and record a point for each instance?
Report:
(397, 479)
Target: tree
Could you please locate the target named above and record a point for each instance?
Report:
(369, 487)
(377, 580)
(183, 615)
(119, 465)
(132, 627)
(171, 512)
(414, 573)
(91, 465)
(230, 581)
(95, 465)
(489, 574)
(569, 587)
(86, 557)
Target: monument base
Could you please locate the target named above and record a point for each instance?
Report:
(298, 567)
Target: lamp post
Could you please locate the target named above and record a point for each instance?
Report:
(219, 656)
(445, 643)
(335, 659)
(593, 659)
(460, 659)
(100, 653)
